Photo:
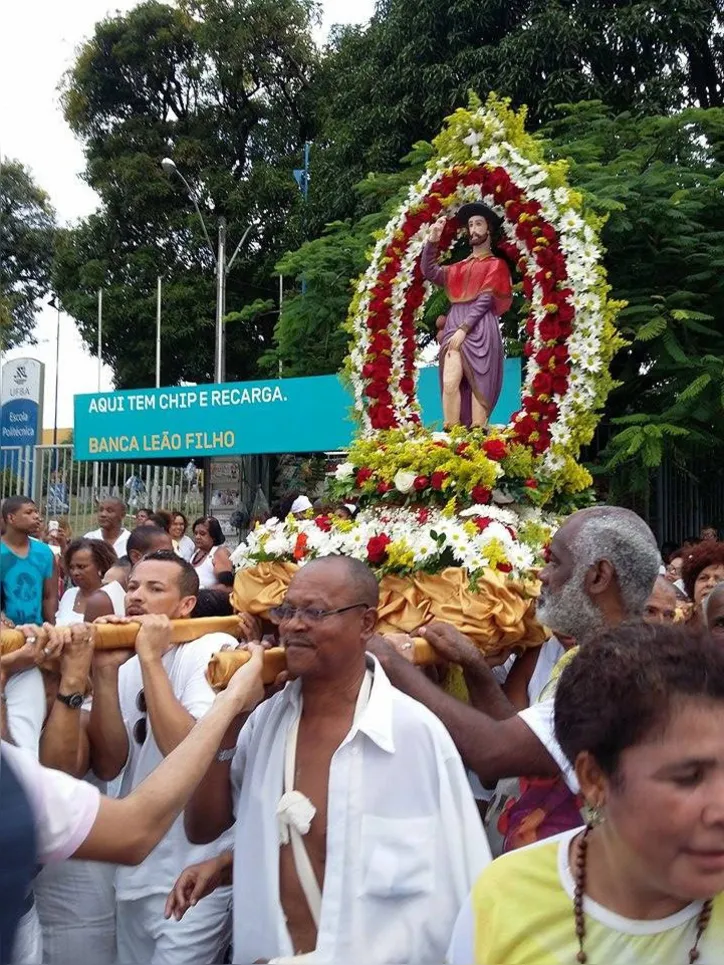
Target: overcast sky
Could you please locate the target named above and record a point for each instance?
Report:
(37, 42)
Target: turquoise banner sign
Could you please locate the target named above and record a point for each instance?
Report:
(241, 418)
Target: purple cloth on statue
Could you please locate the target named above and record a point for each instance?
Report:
(482, 350)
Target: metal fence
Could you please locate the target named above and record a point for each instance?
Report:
(69, 490)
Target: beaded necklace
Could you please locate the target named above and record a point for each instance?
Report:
(580, 919)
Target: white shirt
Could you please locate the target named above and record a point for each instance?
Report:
(186, 667)
(549, 654)
(65, 809)
(404, 837)
(67, 616)
(205, 569)
(539, 717)
(25, 694)
(120, 544)
(186, 548)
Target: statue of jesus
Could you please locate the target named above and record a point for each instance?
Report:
(471, 347)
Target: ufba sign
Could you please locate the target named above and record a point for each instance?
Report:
(287, 415)
(21, 403)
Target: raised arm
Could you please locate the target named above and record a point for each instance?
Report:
(64, 741)
(170, 721)
(125, 831)
(107, 735)
(430, 268)
(210, 810)
(492, 748)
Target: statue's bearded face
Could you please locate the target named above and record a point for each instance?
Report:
(478, 230)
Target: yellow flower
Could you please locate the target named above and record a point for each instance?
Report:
(399, 555)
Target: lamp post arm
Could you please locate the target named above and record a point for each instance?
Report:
(237, 250)
(192, 195)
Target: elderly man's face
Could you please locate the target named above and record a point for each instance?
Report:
(661, 605)
(324, 648)
(564, 604)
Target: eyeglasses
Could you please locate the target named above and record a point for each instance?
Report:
(308, 614)
(140, 729)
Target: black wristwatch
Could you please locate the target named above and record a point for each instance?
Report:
(74, 701)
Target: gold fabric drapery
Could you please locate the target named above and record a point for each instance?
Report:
(499, 613)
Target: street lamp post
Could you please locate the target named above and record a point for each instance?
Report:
(55, 303)
(222, 270)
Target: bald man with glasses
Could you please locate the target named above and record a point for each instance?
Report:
(356, 831)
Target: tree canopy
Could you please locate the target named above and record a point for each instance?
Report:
(27, 229)
(222, 88)
(384, 87)
(630, 90)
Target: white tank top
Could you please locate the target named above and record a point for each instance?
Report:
(67, 616)
(205, 570)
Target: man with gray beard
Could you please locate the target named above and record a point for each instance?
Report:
(602, 568)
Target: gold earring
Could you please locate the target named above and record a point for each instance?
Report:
(594, 813)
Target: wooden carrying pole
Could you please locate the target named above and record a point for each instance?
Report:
(223, 665)
(122, 636)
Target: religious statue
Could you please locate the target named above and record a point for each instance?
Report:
(471, 346)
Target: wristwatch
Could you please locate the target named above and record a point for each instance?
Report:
(74, 701)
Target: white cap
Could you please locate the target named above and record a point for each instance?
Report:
(301, 504)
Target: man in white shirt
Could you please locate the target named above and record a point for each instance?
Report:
(356, 831)
(141, 712)
(111, 513)
(602, 568)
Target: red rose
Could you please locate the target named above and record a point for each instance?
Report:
(494, 449)
(382, 417)
(422, 482)
(560, 386)
(324, 523)
(561, 353)
(363, 475)
(407, 386)
(423, 516)
(384, 487)
(377, 549)
(461, 448)
(528, 349)
(437, 479)
(504, 568)
(300, 547)
(549, 330)
(482, 523)
(525, 426)
(543, 383)
(481, 494)
(544, 356)
(531, 483)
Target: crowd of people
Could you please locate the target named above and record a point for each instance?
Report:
(571, 809)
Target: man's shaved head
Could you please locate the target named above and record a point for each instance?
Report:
(362, 580)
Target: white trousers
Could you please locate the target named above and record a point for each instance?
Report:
(76, 902)
(28, 947)
(200, 938)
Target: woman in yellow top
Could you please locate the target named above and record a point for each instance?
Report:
(640, 713)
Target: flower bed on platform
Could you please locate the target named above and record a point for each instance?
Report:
(403, 540)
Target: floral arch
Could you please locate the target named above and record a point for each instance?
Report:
(484, 153)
